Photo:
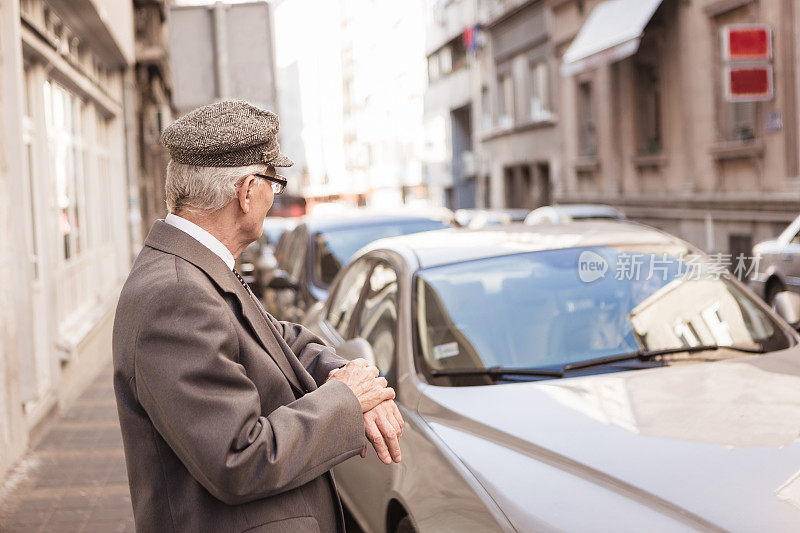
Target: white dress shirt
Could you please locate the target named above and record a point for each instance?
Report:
(203, 237)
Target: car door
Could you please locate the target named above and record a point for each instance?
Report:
(344, 301)
(287, 303)
(374, 319)
(791, 259)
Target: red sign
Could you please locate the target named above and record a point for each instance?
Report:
(748, 84)
(745, 42)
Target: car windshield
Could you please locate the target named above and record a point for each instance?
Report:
(548, 309)
(332, 249)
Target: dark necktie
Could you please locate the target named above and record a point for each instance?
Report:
(244, 283)
(250, 291)
(261, 310)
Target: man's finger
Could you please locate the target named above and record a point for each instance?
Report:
(396, 416)
(390, 438)
(387, 394)
(376, 438)
(364, 451)
(399, 417)
(397, 420)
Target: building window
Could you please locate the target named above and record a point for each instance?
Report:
(586, 126)
(450, 58)
(741, 121)
(445, 61)
(648, 109)
(539, 95)
(62, 113)
(433, 68)
(486, 109)
(459, 53)
(505, 104)
(103, 150)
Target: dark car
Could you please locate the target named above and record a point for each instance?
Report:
(310, 256)
(257, 261)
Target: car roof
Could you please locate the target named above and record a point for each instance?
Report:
(329, 222)
(584, 209)
(435, 248)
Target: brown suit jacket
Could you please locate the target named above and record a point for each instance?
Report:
(226, 422)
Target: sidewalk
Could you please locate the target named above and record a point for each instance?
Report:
(73, 479)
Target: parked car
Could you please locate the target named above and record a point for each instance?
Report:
(311, 255)
(778, 268)
(497, 217)
(479, 218)
(541, 391)
(561, 214)
(257, 261)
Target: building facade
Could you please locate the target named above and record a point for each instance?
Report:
(64, 221)
(645, 124)
(309, 88)
(154, 111)
(517, 130)
(449, 155)
(383, 81)
(491, 125)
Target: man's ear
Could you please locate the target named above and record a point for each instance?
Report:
(244, 193)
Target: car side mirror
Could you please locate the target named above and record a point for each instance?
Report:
(280, 282)
(787, 305)
(355, 348)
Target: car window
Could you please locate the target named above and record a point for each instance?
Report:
(284, 245)
(333, 249)
(344, 300)
(296, 255)
(378, 321)
(533, 310)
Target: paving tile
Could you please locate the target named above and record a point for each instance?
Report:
(80, 483)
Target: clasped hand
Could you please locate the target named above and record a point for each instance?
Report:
(383, 423)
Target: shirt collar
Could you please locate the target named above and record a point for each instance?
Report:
(203, 237)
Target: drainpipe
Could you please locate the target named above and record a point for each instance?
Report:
(221, 50)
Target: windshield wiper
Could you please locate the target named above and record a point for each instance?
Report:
(499, 371)
(644, 355)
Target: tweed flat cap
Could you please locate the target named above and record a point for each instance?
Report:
(230, 133)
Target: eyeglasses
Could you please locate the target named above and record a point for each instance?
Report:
(277, 181)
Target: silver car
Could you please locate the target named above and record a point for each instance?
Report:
(562, 214)
(546, 387)
(778, 267)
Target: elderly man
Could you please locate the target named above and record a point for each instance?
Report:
(230, 419)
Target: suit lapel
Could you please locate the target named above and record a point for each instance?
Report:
(171, 240)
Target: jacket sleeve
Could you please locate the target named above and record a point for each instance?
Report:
(317, 358)
(201, 401)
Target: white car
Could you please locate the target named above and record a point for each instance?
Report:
(561, 214)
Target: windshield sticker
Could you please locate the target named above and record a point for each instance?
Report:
(444, 351)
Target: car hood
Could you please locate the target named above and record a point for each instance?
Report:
(695, 446)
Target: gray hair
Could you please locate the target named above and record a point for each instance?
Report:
(206, 189)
